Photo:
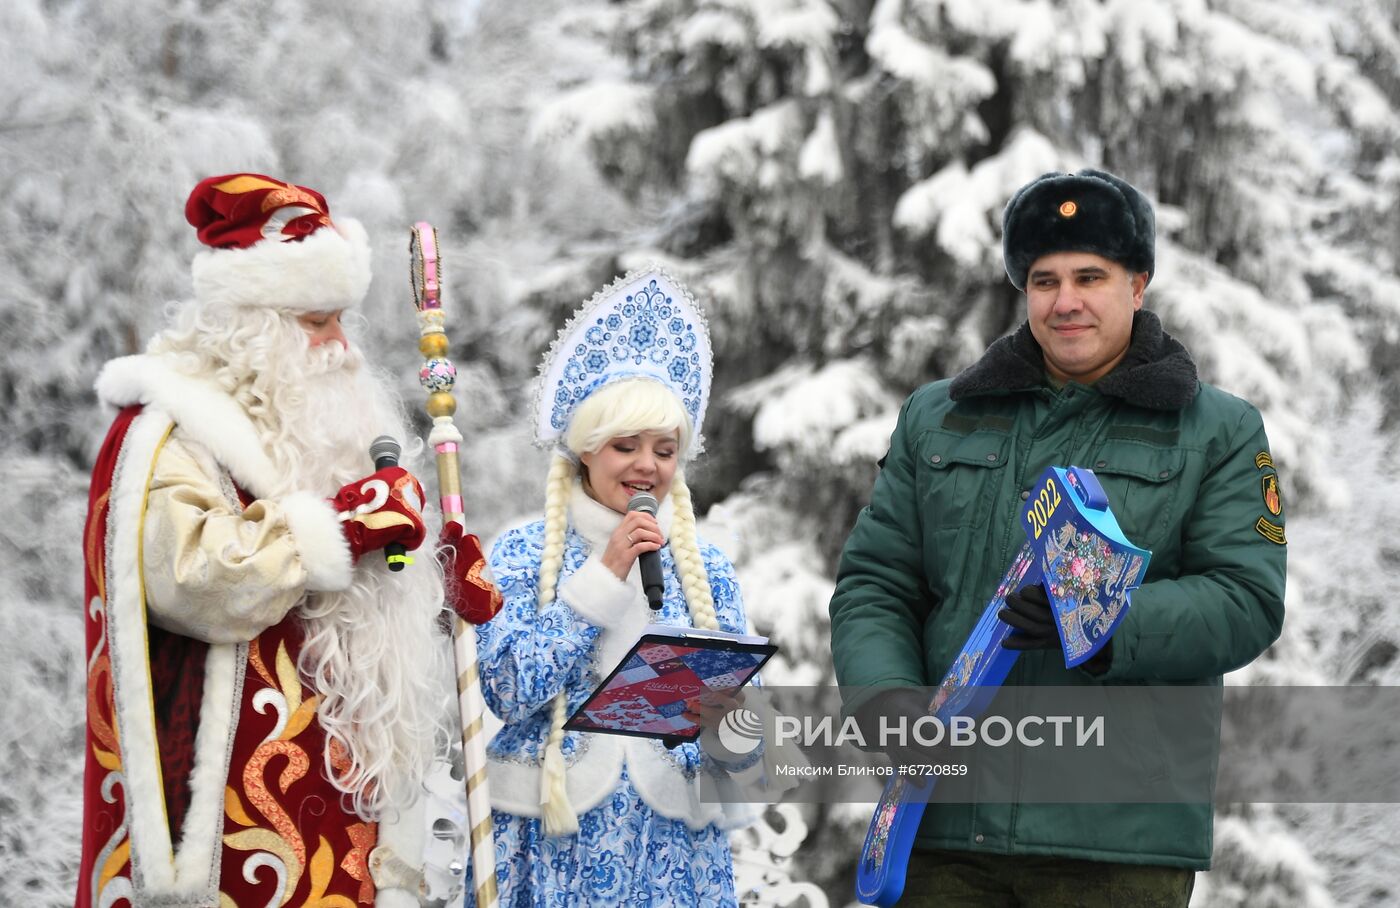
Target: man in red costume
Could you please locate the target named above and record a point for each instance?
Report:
(262, 689)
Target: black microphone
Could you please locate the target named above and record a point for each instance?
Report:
(384, 451)
(649, 562)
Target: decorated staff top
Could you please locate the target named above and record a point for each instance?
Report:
(425, 270)
(643, 325)
(437, 374)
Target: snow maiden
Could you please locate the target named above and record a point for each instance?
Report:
(592, 818)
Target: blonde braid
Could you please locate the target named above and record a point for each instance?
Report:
(557, 489)
(695, 582)
(555, 810)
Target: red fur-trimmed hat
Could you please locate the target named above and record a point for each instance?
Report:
(274, 244)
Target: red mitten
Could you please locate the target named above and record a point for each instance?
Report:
(380, 509)
(470, 590)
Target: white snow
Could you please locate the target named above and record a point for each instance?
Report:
(839, 221)
(802, 406)
(592, 110)
(820, 159)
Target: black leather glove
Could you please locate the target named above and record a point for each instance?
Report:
(896, 705)
(1032, 620)
(1033, 626)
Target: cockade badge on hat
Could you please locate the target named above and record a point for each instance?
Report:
(643, 325)
(1090, 211)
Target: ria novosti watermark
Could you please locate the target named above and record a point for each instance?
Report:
(931, 731)
(1143, 743)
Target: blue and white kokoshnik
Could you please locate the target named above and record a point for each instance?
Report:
(643, 325)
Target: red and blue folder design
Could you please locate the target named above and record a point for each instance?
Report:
(647, 693)
(1089, 568)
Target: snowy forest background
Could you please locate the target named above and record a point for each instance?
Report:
(827, 176)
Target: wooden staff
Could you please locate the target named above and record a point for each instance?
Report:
(437, 376)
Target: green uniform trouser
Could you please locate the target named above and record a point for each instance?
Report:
(965, 879)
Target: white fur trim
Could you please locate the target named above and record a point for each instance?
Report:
(595, 521)
(697, 802)
(619, 607)
(150, 834)
(201, 839)
(328, 270)
(589, 779)
(598, 595)
(192, 875)
(204, 411)
(320, 540)
(211, 417)
(594, 775)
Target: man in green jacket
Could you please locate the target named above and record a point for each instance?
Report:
(1092, 380)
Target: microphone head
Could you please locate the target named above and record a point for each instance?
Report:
(643, 501)
(384, 446)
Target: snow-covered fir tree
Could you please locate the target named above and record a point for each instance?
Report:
(827, 175)
(832, 176)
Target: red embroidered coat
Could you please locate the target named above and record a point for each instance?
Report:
(205, 782)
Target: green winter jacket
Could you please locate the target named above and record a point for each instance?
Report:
(1188, 474)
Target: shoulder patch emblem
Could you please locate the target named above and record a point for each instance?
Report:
(1262, 460)
(1270, 531)
(1268, 484)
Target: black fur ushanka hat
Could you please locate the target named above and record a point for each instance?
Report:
(1088, 211)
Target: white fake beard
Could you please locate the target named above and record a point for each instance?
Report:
(373, 652)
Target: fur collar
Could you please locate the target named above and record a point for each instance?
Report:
(595, 521)
(1157, 373)
(201, 408)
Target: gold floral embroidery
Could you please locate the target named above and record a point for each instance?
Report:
(340, 757)
(291, 195)
(284, 839)
(272, 843)
(247, 182)
(233, 808)
(356, 863)
(255, 659)
(94, 532)
(105, 747)
(300, 719)
(255, 787)
(322, 866)
(289, 683)
(115, 862)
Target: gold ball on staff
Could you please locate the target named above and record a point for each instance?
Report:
(441, 403)
(433, 345)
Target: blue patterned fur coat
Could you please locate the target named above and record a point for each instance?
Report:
(528, 655)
